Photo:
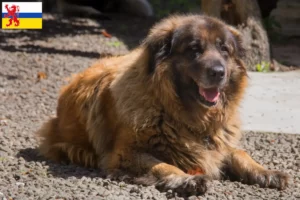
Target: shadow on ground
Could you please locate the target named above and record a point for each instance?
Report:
(62, 170)
(130, 30)
(39, 49)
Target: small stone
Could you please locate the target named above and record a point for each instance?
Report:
(229, 197)
(193, 198)
(5, 149)
(20, 184)
(105, 183)
(298, 163)
(17, 177)
(276, 161)
(134, 190)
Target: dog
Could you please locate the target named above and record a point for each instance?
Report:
(166, 113)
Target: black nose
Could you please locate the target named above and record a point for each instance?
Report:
(216, 73)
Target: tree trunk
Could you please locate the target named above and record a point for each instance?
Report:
(246, 16)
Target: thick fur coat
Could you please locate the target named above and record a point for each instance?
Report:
(167, 112)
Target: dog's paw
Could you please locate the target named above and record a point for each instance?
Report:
(268, 179)
(184, 185)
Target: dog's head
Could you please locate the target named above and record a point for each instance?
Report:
(201, 55)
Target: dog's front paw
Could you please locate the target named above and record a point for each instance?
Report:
(184, 185)
(268, 179)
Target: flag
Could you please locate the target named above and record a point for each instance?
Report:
(22, 15)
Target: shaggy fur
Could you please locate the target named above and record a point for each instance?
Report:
(142, 112)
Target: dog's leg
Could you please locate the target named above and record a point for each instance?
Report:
(165, 176)
(243, 167)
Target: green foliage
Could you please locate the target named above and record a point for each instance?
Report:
(263, 67)
(114, 44)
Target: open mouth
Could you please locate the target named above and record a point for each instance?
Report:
(209, 96)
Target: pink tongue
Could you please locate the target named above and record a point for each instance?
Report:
(211, 94)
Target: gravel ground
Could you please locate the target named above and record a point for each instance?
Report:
(33, 66)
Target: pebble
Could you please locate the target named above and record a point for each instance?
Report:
(134, 190)
(20, 184)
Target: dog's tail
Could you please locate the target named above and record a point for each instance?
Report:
(53, 147)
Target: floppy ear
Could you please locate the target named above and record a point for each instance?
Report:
(238, 42)
(159, 43)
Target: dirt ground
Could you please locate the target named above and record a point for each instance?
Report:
(35, 64)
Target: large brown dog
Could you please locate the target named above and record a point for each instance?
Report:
(167, 112)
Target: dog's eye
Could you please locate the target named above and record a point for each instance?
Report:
(194, 52)
(224, 48)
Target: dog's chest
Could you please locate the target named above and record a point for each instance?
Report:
(180, 146)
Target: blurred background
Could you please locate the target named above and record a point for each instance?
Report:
(271, 28)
